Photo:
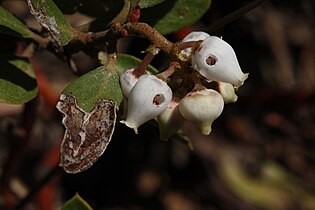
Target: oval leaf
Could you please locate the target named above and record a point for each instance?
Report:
(95, 85)
(51, 18)
(76, 203)
(9, 24)
(171, 15)
(17, 80)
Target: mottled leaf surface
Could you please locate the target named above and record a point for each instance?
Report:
(51, 18)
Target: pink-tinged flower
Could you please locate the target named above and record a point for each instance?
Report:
(202, 106)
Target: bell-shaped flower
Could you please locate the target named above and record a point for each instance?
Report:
(148, 98)
(202, 106)
(193, 36)
(170, 120)
(215, 59)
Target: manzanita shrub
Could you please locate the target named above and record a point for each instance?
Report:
(201, 76)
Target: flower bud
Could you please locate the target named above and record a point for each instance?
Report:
(193, 36)
(227, 91)
(215, 59)
(148, 98)
(170, 120)
(128, 79)
(202, 107)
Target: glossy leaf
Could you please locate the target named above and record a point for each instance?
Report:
(51, 18)
(17, 80)
(171, 15)
(9, 24)
(95, 85)
(149, 3)
(76, 203)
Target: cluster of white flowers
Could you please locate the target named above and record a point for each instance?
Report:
(150, 97)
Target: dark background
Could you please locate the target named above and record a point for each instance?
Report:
(260, 154)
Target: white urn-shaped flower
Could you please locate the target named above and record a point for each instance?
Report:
(147, 99)
(215, 59)
(202, 106)
(170, 120)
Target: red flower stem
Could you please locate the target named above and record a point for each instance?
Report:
(183, 45)
(145, 62)
(169, 71)
(196, 80)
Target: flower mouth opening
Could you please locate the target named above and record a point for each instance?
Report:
(211, 60)
(158, 99)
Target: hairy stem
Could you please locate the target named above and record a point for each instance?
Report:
(151, 34)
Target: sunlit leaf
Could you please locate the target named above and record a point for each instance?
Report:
(94, 85)
(76, 203)
(171, 15)
(51, 18)
(17, 80)
(9, 24)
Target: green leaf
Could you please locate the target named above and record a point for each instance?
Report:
(95, 85)
(9, 24)
(125, 61)
(149, 3)
(51, 18)
(171, 15)
(76, 203)
(102, 83)
(117, 13)
(17, 80)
